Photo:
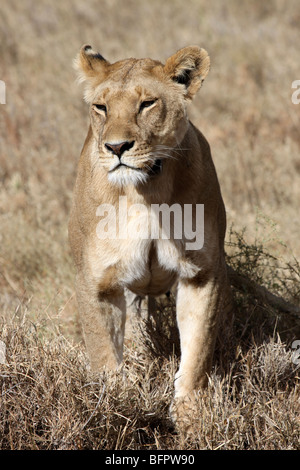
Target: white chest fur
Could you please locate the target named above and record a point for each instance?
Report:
(144, 266)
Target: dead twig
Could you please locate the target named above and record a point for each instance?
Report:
(244, 284)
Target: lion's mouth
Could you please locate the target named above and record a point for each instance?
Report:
(120, 165)
(155, 169)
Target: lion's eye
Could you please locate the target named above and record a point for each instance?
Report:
(146, 104)
(100, 107)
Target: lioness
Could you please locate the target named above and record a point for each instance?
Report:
(141, 145)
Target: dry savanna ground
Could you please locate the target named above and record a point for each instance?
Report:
(48, 399)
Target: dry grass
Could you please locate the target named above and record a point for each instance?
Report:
(48, 400)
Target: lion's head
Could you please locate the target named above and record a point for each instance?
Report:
(138, 109)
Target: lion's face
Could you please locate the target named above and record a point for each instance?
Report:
(138, 110)
(135, 124)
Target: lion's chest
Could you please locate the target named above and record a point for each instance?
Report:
(151, 267)
(143, 266)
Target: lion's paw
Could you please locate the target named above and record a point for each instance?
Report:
(184, 412)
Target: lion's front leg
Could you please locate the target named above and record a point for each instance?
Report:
(198, 311)
(103, 322)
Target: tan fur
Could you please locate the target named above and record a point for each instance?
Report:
(105, 267)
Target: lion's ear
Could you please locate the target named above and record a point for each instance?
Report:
(189, 67)
(91, 67)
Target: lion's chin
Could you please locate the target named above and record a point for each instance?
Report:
(124, 176)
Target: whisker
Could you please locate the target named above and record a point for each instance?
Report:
(159, 146)
(163, 155)
(172, 149)
(149, 168)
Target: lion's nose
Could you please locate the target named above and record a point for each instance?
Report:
(120, 147)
